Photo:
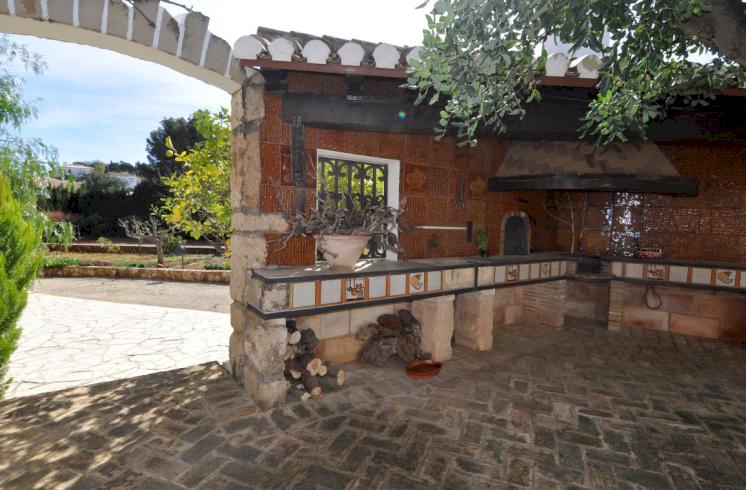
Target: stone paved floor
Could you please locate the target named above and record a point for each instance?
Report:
(70, 342)
(547, 408)
(171, 294)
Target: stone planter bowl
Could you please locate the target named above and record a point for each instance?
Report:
(343, 251)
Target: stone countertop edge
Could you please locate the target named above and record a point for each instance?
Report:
(382, 267)
(662, 261)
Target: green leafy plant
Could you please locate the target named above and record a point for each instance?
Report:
(108, 245)
(199, 200)
(53, 262)
(173, 244)
(482, 239)
(61, 234)
(19, 262)
(217, 266)
(482, 57)
(373, 218)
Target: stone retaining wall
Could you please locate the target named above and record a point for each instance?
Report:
(185, 275)
(126, 248)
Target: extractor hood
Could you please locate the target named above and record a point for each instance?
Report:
(573, 165)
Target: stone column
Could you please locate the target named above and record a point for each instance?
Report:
(474, 319)
(256, 346)
(436, 317)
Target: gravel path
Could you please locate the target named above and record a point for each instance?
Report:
(191, 296)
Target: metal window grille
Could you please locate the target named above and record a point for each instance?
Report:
(352, 185)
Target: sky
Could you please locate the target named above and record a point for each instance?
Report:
(100, 105)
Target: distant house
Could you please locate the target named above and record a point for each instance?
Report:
(76, 170)
(130, 180)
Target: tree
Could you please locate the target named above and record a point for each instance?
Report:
(150, 231)
(19, 262)
(184, 135)
(480, 59)
(199, 200)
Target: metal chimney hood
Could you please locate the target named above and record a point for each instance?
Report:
(574, 165)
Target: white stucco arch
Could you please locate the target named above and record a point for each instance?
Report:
(148, 32)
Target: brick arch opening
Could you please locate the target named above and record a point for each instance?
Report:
(515, 234)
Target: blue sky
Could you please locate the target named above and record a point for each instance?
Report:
(99, 105)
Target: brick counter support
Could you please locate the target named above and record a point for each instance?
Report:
(256, 346)
(544, 303)
(474, 319)
(436, 317)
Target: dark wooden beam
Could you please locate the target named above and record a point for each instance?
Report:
(332, 69)
(596, 182)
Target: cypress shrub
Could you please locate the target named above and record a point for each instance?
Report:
(19, 263)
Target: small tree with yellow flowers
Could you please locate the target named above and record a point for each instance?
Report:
(199, 200)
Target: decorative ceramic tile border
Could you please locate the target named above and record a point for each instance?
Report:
(338, 291)
(681, 274)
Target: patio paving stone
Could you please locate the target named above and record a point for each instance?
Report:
(547, 408)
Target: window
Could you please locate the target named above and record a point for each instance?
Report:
(354, 181)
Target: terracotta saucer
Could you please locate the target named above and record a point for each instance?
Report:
(423, 369)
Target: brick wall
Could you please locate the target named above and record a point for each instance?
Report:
(710, 226)
(719, 315)
(544, 303)
(430, 174)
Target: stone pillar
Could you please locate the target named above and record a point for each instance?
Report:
(474, 319)
(436, 317)
(257, 346)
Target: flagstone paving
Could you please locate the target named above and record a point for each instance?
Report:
(69, 342)
(547, 408)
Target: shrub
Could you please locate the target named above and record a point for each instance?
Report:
(108, 245)
(53, 262)
(173, 244)
(217, 266)
(61, 234)
(19, 262)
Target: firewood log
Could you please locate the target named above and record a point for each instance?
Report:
(294, 367)
(389, 321)
(407, 346)
(312, 384)
(294, 338)
(308, 342)
(310, 363)
(323, 370)
(368, 332)
(294, 334)
(378, 351)
(328, 384)
(335, 374)
(289, 352)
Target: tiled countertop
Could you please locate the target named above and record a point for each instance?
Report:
(381, 267)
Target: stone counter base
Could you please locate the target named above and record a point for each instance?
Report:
(184, 275)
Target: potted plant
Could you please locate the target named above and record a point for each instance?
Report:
(482, 240)
(343, 233)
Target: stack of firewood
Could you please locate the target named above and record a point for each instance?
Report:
(309, 374)
(399, 334)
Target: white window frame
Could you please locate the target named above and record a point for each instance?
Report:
(392, 179)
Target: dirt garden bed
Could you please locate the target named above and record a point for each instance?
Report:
(192, 268)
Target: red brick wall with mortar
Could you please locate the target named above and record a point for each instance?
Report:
(430, 172)
(710, 226)
(544, 303)
(711, 314)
